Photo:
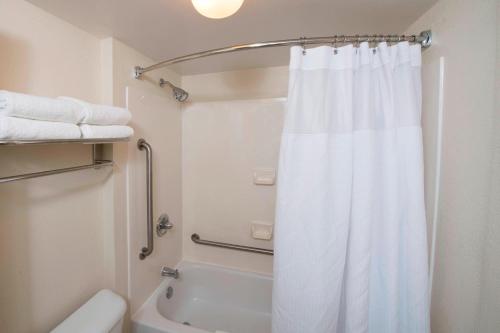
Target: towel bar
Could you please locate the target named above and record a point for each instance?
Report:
(61, 141)
(97, 164)
(196, 238)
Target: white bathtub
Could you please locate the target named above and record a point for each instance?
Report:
(208, 298)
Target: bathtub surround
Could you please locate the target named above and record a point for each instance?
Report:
(350, 241)
(257, 96)
(223, 143)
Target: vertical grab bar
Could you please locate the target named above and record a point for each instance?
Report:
(143, 145)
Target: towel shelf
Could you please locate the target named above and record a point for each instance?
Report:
(196, 238)
(96, 162)
(60, 141)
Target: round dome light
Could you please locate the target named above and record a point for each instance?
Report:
(217, 9)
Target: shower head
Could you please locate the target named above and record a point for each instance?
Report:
(179, 94)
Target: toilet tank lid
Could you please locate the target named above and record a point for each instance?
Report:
(100, 314)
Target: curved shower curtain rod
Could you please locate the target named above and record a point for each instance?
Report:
(424, 38)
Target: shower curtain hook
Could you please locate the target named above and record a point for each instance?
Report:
(356, 43)
(395, 39)
(334, 44)
(388, 40)
(303, 44)
(374, 43)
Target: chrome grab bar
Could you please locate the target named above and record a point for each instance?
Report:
(143, 145)
(196, 238)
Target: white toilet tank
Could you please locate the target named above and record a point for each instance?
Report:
(103, 313)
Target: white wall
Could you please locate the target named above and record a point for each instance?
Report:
(223, 143)
(51, 229)
(65, 237)
(489, 320)
(464, 34)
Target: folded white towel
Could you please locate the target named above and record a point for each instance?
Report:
(105, 132)
(94, 114)
(39, 108)
(12, 128)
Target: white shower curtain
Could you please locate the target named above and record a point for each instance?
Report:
(350, 246)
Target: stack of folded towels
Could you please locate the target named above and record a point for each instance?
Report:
(26, 117)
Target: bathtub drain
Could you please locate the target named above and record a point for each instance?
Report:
(186, 323)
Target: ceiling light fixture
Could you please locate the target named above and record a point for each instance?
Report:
(217, 9)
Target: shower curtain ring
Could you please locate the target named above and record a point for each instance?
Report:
(389, 40)
(303, 44)
(374, 43)
(334, 44)
(356, 43)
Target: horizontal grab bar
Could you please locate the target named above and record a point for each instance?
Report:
(196, 238)
(97, 164)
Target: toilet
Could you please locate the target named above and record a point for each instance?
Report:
(103, 313)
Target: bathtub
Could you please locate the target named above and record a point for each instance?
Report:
(208, 298)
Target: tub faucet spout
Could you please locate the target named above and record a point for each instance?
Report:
(170, 272)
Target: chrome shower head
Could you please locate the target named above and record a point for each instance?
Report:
(179, 94)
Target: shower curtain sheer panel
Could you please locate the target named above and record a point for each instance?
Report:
(350, 246)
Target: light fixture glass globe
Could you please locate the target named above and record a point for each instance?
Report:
(217, 9)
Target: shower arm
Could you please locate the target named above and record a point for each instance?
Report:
(179, 94)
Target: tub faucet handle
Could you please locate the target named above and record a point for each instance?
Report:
(163, 225)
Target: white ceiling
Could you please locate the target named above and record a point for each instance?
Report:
(163, 29)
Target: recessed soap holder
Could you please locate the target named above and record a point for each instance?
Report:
(163, 225)
(262, 230)
(264, 176)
